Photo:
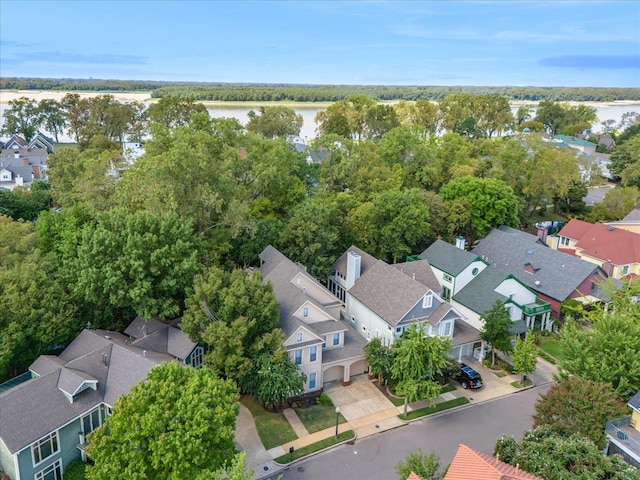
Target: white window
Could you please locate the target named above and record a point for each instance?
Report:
(564, 241)
(625, 270)
(298, 357)
(107, 410)
(377, 333)
(44, 448)
(91, 422)
(446, 329)
(52, 472)
(305, 312)
(336, 339)
(196, 357)
(447, 278)
(324, 341)
(398, 329)
(313, 353)
(312, 380)
(427, 300)
(299, 337)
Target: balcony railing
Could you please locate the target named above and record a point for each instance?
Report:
(624, 434)
(537, 308)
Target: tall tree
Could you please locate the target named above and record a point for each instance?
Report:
(579, 406)
(525, 356)
(416, 361)
(616, 204)
(53, 117)
(178, 424)
(491, 203)
(174, 112)
(22, 118)
(378, 358)
(236, 316)
(276, 121)
(497, 329)
(602, 353)
(274, 378)
(142, 260)
(549, 455)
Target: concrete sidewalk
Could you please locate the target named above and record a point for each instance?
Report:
(368, 411)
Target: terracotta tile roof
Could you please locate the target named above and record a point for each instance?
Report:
(469, 464)
(604, 242)
(414, 476)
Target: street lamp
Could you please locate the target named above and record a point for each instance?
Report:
(337, 419)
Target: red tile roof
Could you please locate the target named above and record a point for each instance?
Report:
(604, 242)
(414, 476)
(469, 464)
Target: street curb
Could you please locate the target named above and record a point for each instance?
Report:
(355, 437)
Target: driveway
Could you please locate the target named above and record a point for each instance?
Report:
(360, 399)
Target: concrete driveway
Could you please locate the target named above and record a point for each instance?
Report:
(360, 399)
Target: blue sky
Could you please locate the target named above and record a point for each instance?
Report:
(555, 43)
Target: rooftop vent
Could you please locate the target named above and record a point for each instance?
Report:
(530, 251)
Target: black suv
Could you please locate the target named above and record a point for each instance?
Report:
(468, 377)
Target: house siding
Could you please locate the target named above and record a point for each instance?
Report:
(464, 277)
(7, 464)
(371, 321)
(521, 295)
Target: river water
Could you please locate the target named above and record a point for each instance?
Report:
(309, 131)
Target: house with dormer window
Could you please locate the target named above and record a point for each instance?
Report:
(475, 286)
(46, 416)
(319, 341)
(383, 300)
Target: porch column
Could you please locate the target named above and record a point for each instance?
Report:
(346, 377)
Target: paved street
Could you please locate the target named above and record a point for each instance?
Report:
(477, 425)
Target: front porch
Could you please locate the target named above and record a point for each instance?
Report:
(537, 316)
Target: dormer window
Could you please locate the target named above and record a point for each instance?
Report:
(305, 312)
(427, 300)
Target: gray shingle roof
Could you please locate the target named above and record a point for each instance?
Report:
(280, 270)
(559, 274)
(366, 261)
(387, 292)
(634, 402)
(479, 294)
(37, 407)
(353, 347)
(448, 258)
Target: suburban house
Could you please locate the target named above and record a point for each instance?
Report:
(631, 222)
(553, 275)
(623, 434)
(324, 346)
(384, 300)
(45, 420)
(472, 286)
(22, 163)
(580, 144)
(469, 464)
(616, 250)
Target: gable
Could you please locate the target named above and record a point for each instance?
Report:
(302, 337)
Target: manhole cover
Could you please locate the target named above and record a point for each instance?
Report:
(301, 469)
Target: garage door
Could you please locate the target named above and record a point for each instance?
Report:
(333, 373)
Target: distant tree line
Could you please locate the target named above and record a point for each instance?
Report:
(236, 92)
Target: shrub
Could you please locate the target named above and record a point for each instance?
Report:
(324, 399)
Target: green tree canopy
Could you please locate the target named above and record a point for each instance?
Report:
(579, 406)
(490, 201)
(549, 455)
(178, 424)
(423, 464)
(274, 121)
(142, 260)
(497, 329)
(22, 118)
(236, 315)
(174, 112)
(525, 356)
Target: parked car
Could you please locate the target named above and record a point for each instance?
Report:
(468, 377)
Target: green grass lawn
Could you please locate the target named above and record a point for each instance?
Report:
(273, 428)
(315, 447)
(318, 417)
(554, 348)
(518, 383)
(438, 407)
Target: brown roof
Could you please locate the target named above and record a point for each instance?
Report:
(366, 261)
(604, 242)
(469, 464)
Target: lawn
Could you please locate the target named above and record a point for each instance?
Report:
(315, 447)
(318, 417)
(438, 407)
(273, 428)
(554, 348)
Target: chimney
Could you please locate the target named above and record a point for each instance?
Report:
(460, 242)
(353, 268)
(542, 234)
